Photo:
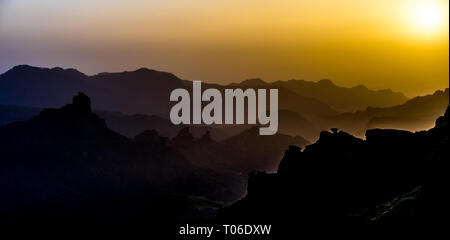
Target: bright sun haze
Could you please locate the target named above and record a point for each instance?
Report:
(429, 15)
(398, 44)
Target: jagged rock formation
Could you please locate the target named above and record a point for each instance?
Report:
(242, 153)
(66, 164)
(392, 176)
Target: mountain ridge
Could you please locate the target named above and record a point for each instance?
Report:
(50, 87)
(415, 115)
(344, 99)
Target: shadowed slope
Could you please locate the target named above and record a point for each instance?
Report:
(66, 165)
(344, 182)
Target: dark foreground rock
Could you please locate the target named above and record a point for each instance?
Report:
(342, 182)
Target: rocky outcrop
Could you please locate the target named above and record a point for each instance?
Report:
(66, 164)
(391, 177)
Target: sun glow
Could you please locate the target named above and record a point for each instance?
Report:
(428, 16)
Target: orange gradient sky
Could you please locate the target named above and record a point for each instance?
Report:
(398, 44)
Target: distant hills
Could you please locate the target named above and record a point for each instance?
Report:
(124, 160)
(140, 91)
(134, 101)
(127, 125)
(416, 114)
(244, 152)
(147, 91)
(341, 99)
(132, 125)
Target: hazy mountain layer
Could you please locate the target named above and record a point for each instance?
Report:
(243, 152)
(147, 91)
(415, 115)
(129, 125)
(344, 99)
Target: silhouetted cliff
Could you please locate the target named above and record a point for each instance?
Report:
(391, 177)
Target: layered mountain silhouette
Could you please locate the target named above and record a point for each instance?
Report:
(128, 125)
(347, 183)
(344, 99)
(147, 91)
(140, 91)
(341, 99)
(242, 153)
(132, 125)
(258, 152)
(125, 162)
(66, 164)
(292, 123)
(135, 101)
(415, 115)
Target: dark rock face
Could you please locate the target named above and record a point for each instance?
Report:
(64, 165)
(391, 177)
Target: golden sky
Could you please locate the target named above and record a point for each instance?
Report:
(398, 44)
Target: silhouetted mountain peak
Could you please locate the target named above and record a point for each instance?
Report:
(153, 73)
(326, 82)
(184, 135)
(145, 70)
(131, 91)
(80, 108)
(334, 130)
(72, 123)
(335, 140)
(343, 99)
(363, 88)
(253, 82)
(441, 92)
(22, 67)
(81, 102)
(25, 70)
(141, 75)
